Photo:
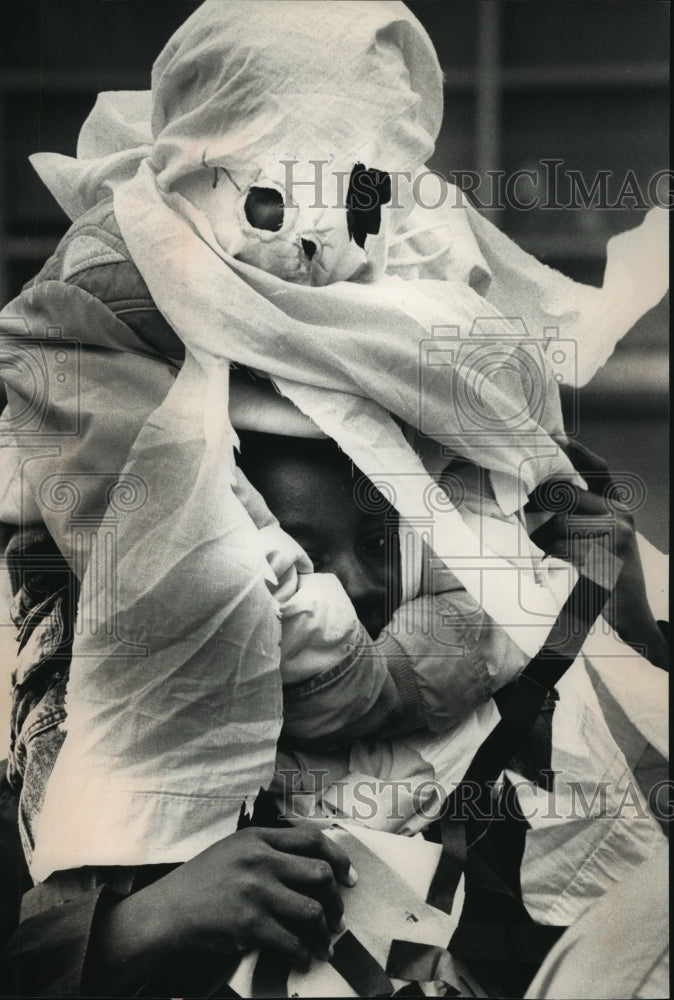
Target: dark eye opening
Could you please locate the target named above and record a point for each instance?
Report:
(368, 191)
(374, 544)
(264, 209)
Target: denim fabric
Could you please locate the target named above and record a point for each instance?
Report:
(45, 599)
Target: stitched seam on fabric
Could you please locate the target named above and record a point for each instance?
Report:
(123, 306)
(93, 262)
(201, 797)
(407, 685)
(98, 303)
(42, 724)
(484, 677)
(52, 616)
(319, 681)
(97, 230)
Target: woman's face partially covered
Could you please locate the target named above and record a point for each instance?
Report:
(319, 499)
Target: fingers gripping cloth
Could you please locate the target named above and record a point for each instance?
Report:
(372, 957)
(359, 313)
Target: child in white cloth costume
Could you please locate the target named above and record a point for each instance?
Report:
(589, 827)
(340, 311)
(345, 674)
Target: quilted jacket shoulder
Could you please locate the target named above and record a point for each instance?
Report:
(94, 257)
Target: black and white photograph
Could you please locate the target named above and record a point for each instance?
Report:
(334, 499)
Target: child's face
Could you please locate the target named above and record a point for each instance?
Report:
(313, 491)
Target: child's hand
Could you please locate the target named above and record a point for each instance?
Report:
(258, 888)
(319, 628)
(592, 517)
(287, 559)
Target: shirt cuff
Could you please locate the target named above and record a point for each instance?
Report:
(46, 956)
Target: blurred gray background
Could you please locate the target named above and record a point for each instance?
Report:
(585, 81)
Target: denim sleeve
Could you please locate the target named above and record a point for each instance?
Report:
(45, 596)
(457, 655)
(325, 709)
(438, 659)
(371, 691)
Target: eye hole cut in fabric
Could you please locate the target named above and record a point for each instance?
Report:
(368, 191)
(264, 209)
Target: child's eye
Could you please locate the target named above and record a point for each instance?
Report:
(375, 545)
(264, 209)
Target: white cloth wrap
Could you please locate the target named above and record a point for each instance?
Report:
(586, 834)
(348, 354)
(174, 698)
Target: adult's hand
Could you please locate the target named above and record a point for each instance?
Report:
(593, 515)
(276, 889)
